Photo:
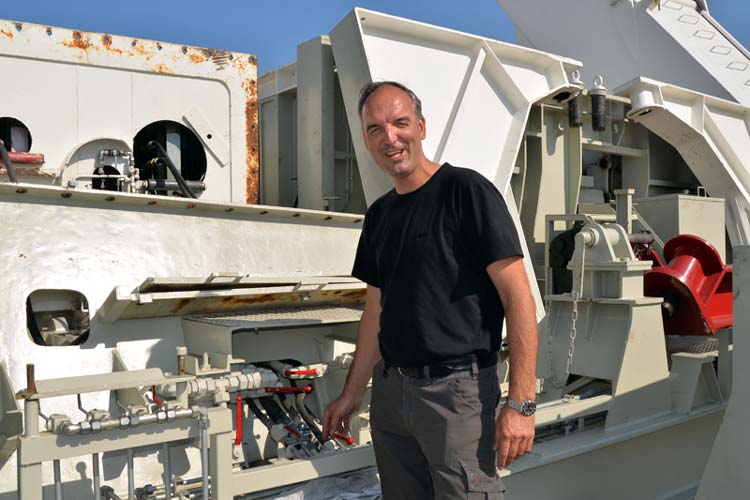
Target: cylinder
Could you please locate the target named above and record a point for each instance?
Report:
(204, 451)
(131, 476)
(598, 113)
(598, 105)
(575, 113)
(58, 480)
(96, 474)
(167, 472)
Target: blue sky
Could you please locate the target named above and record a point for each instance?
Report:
(271, 29)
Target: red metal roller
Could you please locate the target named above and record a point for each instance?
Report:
(696, 287)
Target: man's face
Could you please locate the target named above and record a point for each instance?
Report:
(393, 134)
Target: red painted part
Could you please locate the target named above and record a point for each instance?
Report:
(293, 432)
(24, 158)
(153, 394)
(312, 371)
(348, 440)
(696, 284)
(307, 388)
(238, 422)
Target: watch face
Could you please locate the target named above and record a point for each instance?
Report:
(528, 408)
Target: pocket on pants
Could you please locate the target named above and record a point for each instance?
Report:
(480, 485)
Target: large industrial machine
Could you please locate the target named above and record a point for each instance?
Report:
(177, 309)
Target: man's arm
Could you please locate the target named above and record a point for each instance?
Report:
(367, 354)
(514, 433)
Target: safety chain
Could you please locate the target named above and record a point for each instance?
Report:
(556, 382)
(574, 314)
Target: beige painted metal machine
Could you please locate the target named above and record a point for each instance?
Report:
(163, 335)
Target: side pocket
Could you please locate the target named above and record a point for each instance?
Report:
(480, 485)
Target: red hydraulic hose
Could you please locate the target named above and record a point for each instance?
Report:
(312, 371)
(155, 397)
(288, 390)
(348, 440)
(238, 422)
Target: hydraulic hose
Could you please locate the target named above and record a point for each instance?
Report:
(159, 150)
(308, 418)
(8, 164)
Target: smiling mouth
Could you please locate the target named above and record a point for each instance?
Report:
(391, 154)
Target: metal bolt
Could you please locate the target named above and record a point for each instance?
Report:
(135, 419)
(161, 417)
(124, 421)
(19, 27)
(96, 426)
(85, 427)
(49, 31)
(30, 381)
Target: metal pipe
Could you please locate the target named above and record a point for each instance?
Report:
(204, 451)
(11, 171)
(308, 418)
(97, 475)
(167, 472)
(31, 417)
(131, 476)
(186, 191)
(108, 424)
(238, 421)
(641, 238)
(80, 405)
(30, 379)
(181, 354)
(58, 480)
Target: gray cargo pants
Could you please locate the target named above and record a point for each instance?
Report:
(433, 438)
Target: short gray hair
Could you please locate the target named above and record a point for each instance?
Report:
(370, 89)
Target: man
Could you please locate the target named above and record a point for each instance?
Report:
(443, 265)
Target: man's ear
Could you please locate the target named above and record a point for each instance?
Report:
(423, 127)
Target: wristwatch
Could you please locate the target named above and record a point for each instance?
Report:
(527, 408)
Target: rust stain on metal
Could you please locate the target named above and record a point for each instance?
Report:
(197, 58)
(26, 171)
(220, 58)
(78, 42)
(107, 43)
(354, 295)
(267, 298)
(252, 183)
(140, 50)
(162, 68)
(181, 304)
(7, 33)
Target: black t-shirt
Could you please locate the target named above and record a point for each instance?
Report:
(427, 251)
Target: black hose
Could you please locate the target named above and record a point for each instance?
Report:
(186, 191)
(308, 418)
(251, 403)
(8, 165)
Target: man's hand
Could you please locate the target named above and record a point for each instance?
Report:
(514, 436)
(338, 413)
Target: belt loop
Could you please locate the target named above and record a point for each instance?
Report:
(474, 367)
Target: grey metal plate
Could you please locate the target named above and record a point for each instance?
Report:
(282, 317)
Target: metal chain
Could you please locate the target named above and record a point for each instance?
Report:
(574, 319)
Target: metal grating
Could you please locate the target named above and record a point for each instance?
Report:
(282, 317)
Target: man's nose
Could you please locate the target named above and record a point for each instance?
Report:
(391, 134)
